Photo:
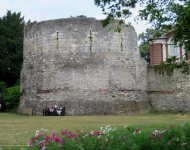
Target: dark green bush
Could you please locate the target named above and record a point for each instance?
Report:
(12, 97)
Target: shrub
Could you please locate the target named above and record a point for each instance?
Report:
(173, 138)
(12, 97)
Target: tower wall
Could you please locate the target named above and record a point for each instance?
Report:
(106, 76)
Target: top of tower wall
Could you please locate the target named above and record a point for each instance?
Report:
(77, 35)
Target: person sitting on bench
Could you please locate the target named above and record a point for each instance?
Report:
(59, 110)
(55, 107)
(48, 109)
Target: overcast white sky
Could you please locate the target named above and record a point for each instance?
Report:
(40, 10)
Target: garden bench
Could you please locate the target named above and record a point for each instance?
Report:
(54, 113)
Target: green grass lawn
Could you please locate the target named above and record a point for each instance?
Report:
(16, 129)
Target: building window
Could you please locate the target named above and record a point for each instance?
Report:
(173, 50)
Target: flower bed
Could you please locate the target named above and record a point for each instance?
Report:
(174, 138)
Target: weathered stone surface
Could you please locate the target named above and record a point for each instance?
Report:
(59, 67)
(27, 112)
(169, 93)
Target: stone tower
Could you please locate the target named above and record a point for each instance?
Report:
(76, 63)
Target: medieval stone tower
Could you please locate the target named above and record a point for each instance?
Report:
(76, 63)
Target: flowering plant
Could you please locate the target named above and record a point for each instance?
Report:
(108, 138)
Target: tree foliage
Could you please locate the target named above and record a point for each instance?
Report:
(164, 15)
(11, 47)
(81, 16)
(12, 97)
(144, 46)
(160, 13)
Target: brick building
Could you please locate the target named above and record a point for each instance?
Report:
(162, 48)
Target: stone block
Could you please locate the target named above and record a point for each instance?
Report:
(27, 112)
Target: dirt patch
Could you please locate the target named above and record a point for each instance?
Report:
(185, 119)
(182, 115)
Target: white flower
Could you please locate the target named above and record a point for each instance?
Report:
(125, 126)
(37, 133)
(109, 130)
(85, 135)
(185, 121)
(42, 129)
(114, 129)
(108, 134)
(99, 136)
(101, 128)
(134, 133)
(106, 139)
(92, 132)
(104, 132)
(139, 131)
(107, 127)
(111, 137)
(182, 124)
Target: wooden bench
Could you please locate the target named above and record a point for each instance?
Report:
(54, 113)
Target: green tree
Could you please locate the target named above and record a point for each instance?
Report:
(160, 13)
(81, 16)
(164, 15)
(3, 86)
(11, 47)
(144, 46)
(12, 97)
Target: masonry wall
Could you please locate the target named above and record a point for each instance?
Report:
(169, 93)
(155, 53)
(59, 67)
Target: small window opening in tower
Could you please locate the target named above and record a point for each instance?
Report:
(57, 40)
(90, 40)
(121, 42)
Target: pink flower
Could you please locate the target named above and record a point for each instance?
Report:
(43, 148)
(178, 127)
(87, 129)
(66, 130)
(75, 135)
(30, 143)
(77, 130)
(183, 144)
(183, 130)
(51, 140)
(187, 140)
(98, 133)
(100, 140)
(36, 140)
(128, 128)
(169, 142)
(77, 140)
(161, 135)
(59, 145)
(153, 134)
(41, 135)
(150, 137)
(124, 138)
(57, 140)
(147, 126)
(46, 130)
